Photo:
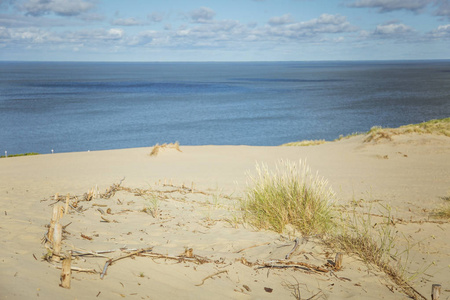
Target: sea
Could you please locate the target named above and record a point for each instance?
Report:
(86, 106)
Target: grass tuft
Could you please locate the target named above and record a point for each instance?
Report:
(306, 143)
(157, 148)
(289, 195)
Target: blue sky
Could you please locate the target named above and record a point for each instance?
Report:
(231, 30)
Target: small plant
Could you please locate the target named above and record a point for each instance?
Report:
(157, 148)
(153, 207)
(306, 143)
(289, 195)
(443, 212)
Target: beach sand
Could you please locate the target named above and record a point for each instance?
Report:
(411, 174)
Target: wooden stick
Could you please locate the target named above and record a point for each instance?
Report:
(338, 261)
(297, 241)
(435, 291)
(57, 237)
(110, 261)
(66, 209)
(210, 276)
(56, 216)
(66, 272)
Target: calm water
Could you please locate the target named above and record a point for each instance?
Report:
(92, 106)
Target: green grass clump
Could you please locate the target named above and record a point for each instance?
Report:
(306, 143)
(289, 195)
(443, 212)
(20, 154)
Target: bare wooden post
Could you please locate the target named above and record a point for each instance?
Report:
(66, 272)
(57, 214)
(57, 238)
(66, 209)
(56, 196)
(435, 291)
(338, 261)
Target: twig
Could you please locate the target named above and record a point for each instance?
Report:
(112, 260)
(297, 241)
(243, 249)
(77, 269)
(313, 296)
(284, 264)
(210, 276)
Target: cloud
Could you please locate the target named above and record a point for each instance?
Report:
(443, 8)
(392, 5)
(392, 30)
(324, 24)
(202, 15)
(442, 32)
(284, 19)
(127, 22)
(58, 7)
(156, 17)
(4, 33)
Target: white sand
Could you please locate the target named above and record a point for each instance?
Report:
(410, 174)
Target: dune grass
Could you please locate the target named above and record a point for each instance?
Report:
(158, 148)
(289, 195)
(376, 133)
(438, 127)
(306, 143)
(20, 154)
(443, 212)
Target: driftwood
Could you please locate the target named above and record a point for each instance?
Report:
(56, 244)
(297, 241)
(66, 272)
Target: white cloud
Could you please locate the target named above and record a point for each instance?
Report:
(284, 19)
(324, 24)
(393, 30)
(202, 15)
(59, 7)
(392, 5)
(4, 33)
(443, 8)
(442, 32)
(127, 22)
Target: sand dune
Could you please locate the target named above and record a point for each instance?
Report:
(411, 173)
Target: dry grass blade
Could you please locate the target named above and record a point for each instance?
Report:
(158, 148)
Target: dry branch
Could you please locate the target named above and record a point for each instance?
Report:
(112, 260)
(297, 241)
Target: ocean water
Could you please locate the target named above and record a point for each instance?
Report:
(73, 106)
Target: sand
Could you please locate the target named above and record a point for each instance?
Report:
(411, 174)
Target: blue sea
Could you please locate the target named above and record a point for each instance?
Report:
(80, 106)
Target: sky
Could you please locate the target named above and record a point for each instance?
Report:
(223, 30)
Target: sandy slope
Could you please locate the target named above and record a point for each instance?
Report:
(410, 173)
